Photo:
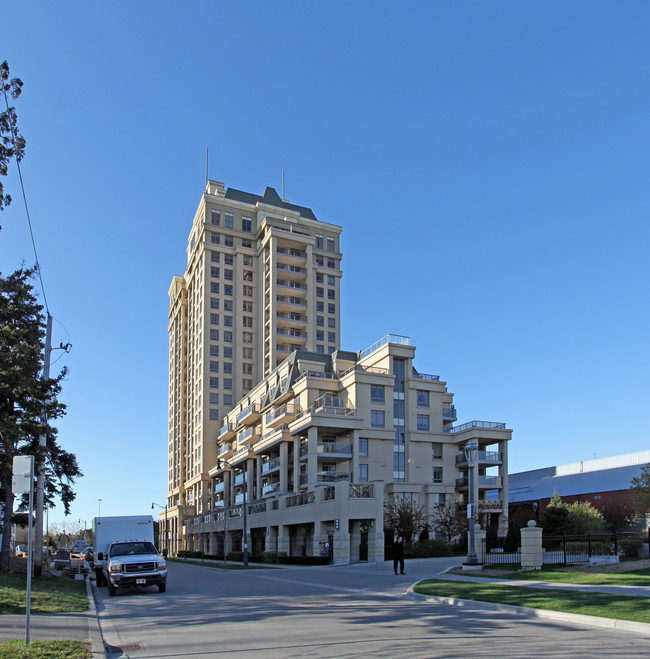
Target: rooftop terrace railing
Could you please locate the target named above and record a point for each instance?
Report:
(474, 424)
(389, 338)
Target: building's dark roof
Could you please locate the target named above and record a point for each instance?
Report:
(270, 198)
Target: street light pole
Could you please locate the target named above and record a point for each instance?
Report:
(166, 548)
(471, 453)
(245, 531)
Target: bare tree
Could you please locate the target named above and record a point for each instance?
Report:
(448, 519)
(405, 517)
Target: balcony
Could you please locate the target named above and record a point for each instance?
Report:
(219, 487)
(249, 414)
(292, 253)
(226, 432)
(270, 488)
(289, 302)
(475, 424)
(330, 406)
(332, 451)
(296, 286)
(240, 478)
(271, 466)
(248, 436)
(426, 376)
(292, 271)
(449, 413)
(241, 454)
(226, 450)
(327, 477)
(273, 436)
(292, 317)
(283, 414)
(484, 482)
(484, 457)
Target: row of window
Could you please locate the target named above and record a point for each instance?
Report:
(229, 259)
(320, 240)
(229, 221)
(247, 368)
(228, 305)
(229, 275)
(331, 293)
(320, 261)
(320, 279)
(247, 321)
(378, 419)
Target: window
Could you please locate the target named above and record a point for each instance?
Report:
(227, 289)
(228, 259)
(320, 292)
(227, 337)
(377, 393)
(216, 217)
(248, 307)
(247, 321)
(214, 367)
(214, 351)
(247, 337)
(363, 446)
(320, 306)
(214, 257)
(331, 294)
(330, 244)
(422, 398)
(214, 415)
(214, 383)
(331, 308)
(230, 221)
(227, 305)
(331, 337)
(440, 498)
(227, 399)
(377, 418)
(330, 280)
(437, 474)
(227, 353)
(228, 241)
(247, 260)
(215, 239)
(320, 335)
(227, 321)
(227, 368)
(331, 263)
(248, 291)
(214, 272)
(228, 274)
(320, 349)
(247, 353)
(436, 451)
(248, 275)
(331, 322)
(246, 224)
(319, 241)
(320, 321)
(320, 278)
(247, 369)
(320, 261)
(227, 383)
(423, 422)
(214, 319)
(214, 303)
(246, 243)
(330, 349)
(214, 287)
(214, 335)
(363, 473)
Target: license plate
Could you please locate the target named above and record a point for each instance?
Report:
(140, 581)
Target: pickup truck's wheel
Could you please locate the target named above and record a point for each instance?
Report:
(162, 587)
(112, 591)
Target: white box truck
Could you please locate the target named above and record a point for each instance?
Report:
(125, 554)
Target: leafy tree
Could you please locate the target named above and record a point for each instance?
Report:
(619, 515)
(583, 517)
(28, 402)
(449, 520)
(640, 491)
(405, 517)
(555, 520)
(12, 143)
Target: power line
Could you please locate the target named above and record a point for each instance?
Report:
(22, 187)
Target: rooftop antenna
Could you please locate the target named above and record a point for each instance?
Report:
(283, 197)
(206, 166)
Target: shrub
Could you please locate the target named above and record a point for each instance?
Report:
(426, 549)
(236, 556)
(303, 560)
(630, 547)
(272, 556)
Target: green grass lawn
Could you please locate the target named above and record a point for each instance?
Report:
(45, 650)
(636, 578)
(591, 604)
(49, 595)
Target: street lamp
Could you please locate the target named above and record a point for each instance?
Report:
(471, 453)
(166, 549)
(245, 533)
(99, 503)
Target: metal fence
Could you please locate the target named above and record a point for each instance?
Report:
(497, 552)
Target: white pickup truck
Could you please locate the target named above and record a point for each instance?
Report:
(126, 555)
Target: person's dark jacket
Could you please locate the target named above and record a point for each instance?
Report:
(398, 549)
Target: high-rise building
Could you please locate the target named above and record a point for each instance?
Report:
(262, 281)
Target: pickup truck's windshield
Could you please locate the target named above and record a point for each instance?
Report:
(132, 548)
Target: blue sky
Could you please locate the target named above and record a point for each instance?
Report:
(488, 162)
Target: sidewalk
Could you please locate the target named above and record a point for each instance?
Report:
(80, 626)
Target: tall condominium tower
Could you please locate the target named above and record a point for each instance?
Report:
(262, 280)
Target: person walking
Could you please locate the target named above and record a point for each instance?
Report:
(398, 555)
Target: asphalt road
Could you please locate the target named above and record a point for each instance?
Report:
(348, 611)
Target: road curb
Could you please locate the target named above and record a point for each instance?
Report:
(94, 628)
(527, 612)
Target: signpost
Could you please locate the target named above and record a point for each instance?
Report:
(22, 483)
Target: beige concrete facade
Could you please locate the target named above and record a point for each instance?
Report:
(262, 280)
(323, 441)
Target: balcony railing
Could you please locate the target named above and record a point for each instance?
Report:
(291, 317)
(270, 488)
(327, 447)
(474, 424)
(300, 499)
(286, 412)
(426, 376)
(484, 482)
(248, 435)
(362, 491)
(289, 251)
(490, 457)
(271, 465)
(330, 405)
(277, 429)
(389, 338)
(358, 368)
(288, 283)
(219, 487)
(333, 476)
(248, 414)
(449, 413)
(288, 299)
(226, 432)
(225, 450)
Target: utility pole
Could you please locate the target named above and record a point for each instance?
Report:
(40, 481)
